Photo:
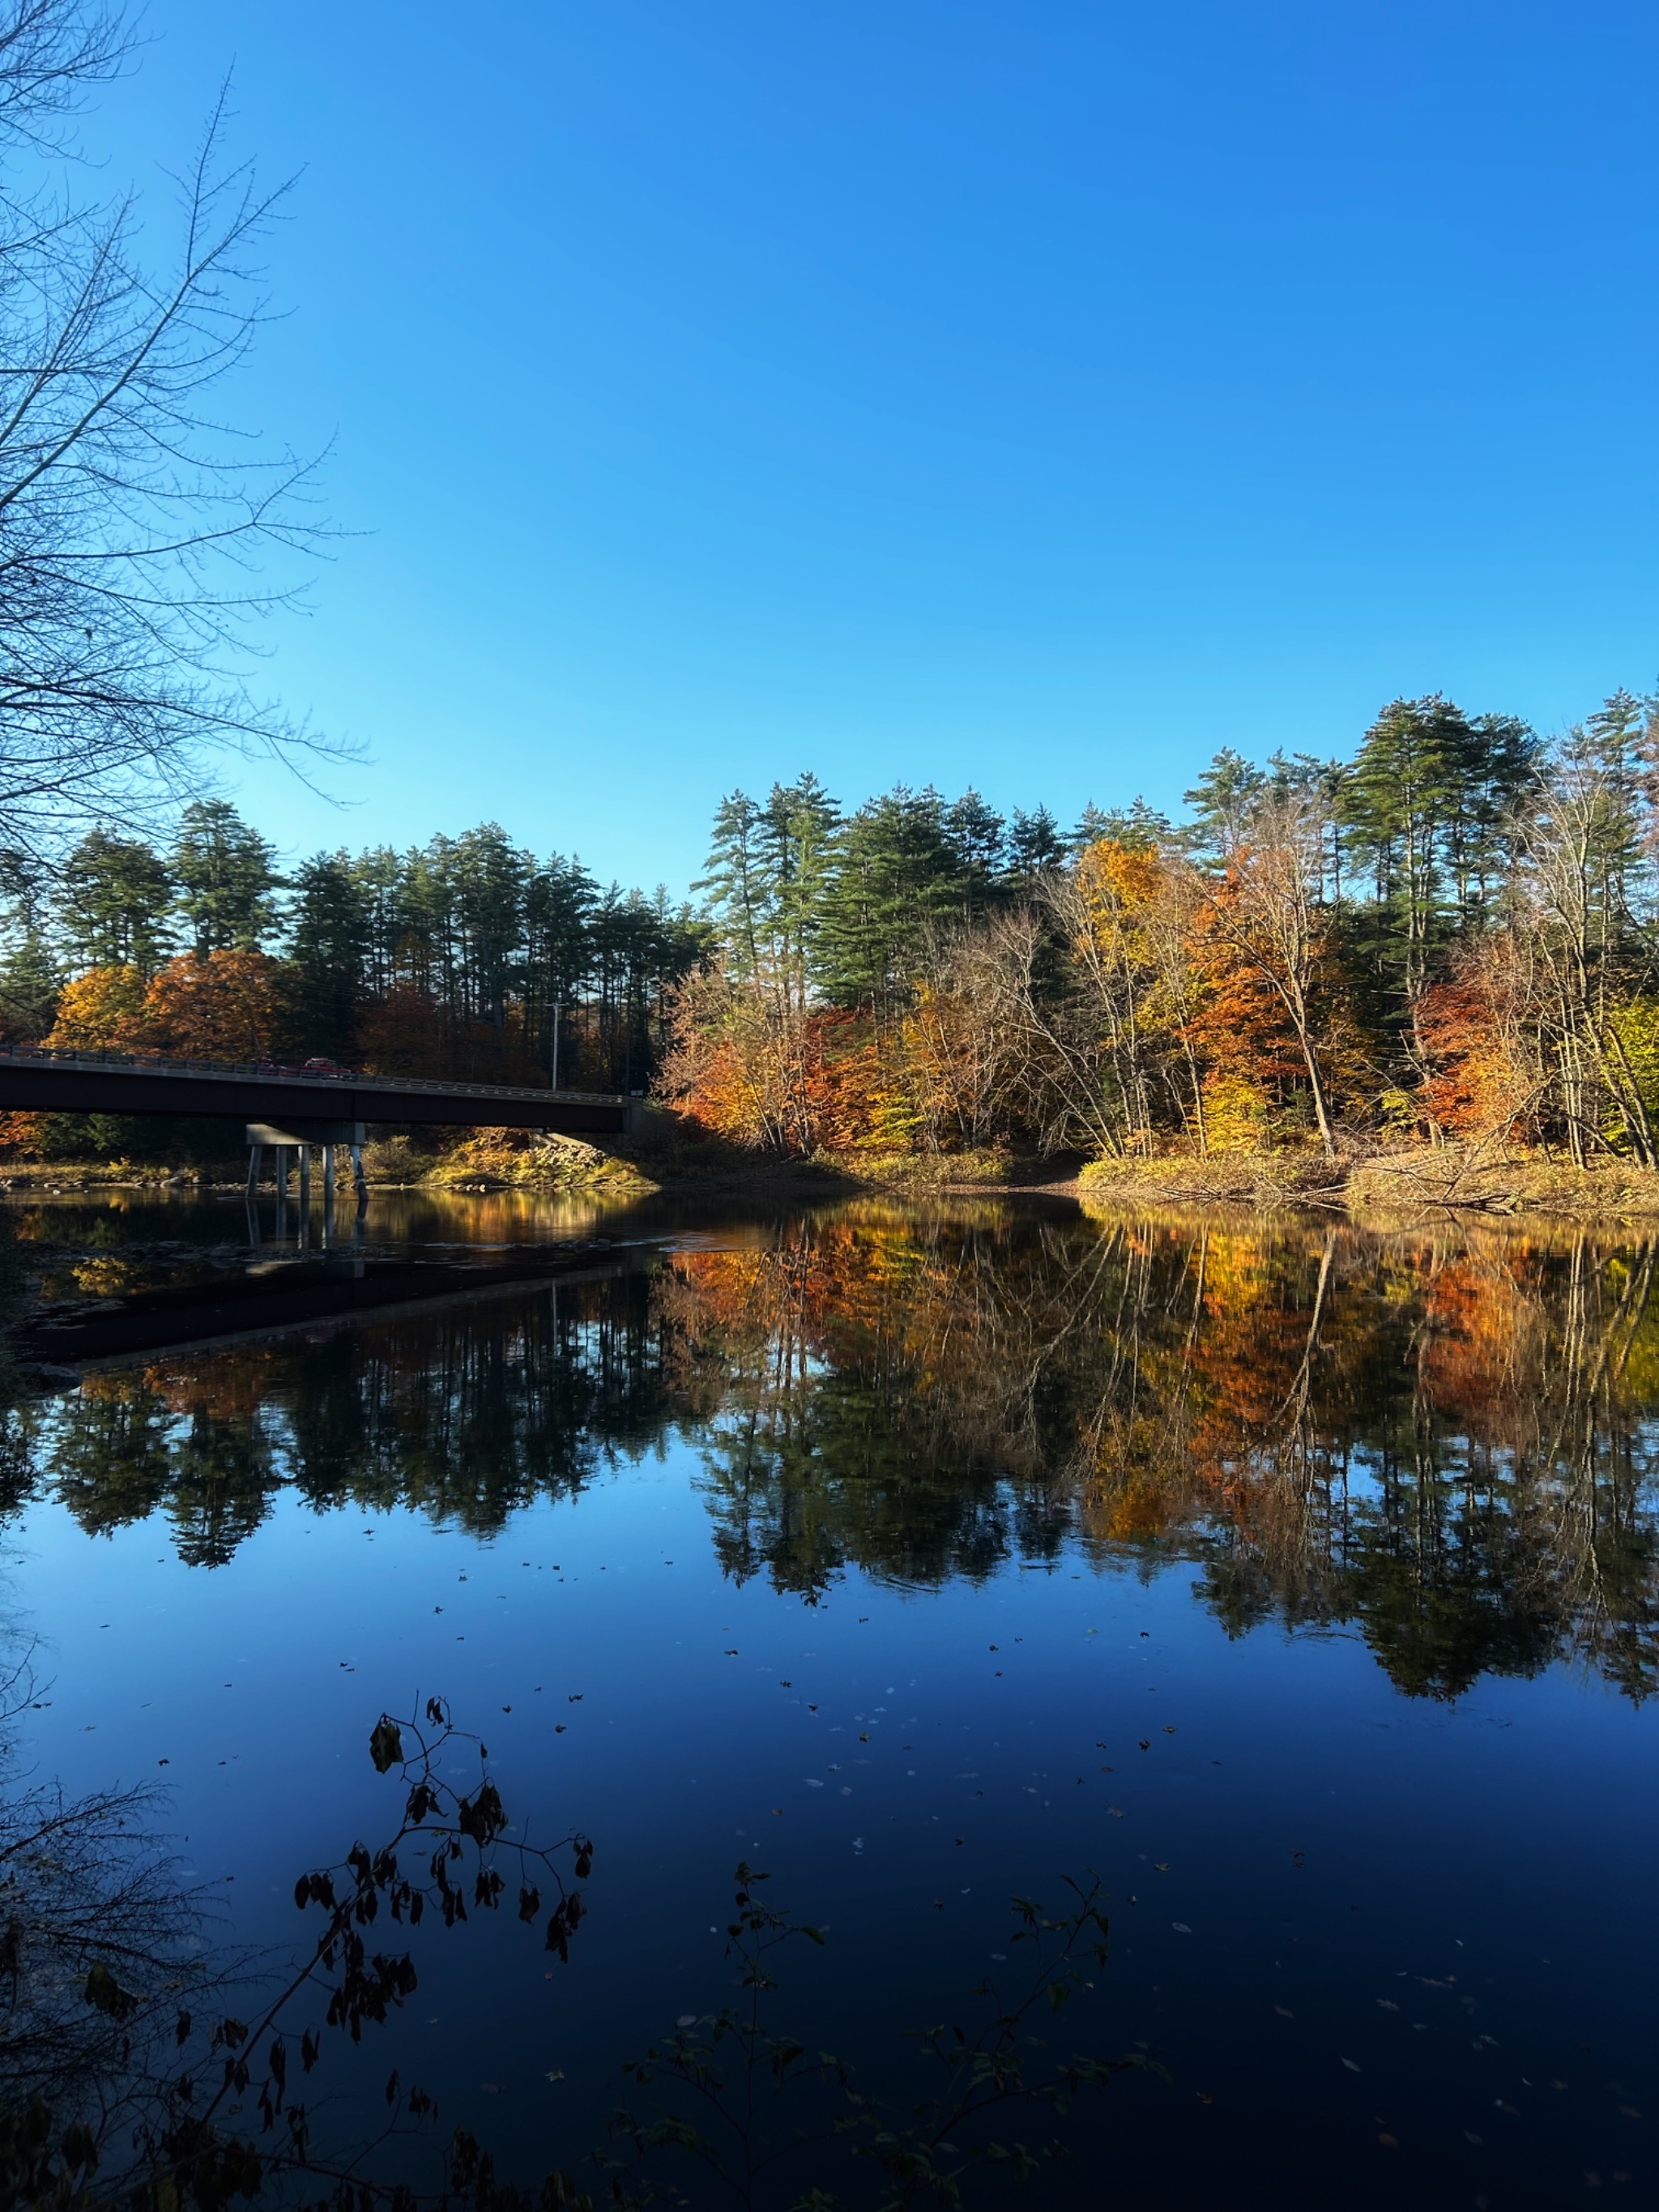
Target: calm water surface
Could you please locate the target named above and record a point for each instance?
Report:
(1300, 1580)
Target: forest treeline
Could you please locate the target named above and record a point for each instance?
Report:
(450, 959)
(1452, 934)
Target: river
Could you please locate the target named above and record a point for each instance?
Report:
(1297, 1583)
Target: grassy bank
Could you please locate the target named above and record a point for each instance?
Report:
(1386, 1187)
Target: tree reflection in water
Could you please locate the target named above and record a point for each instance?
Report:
(1444, 1437)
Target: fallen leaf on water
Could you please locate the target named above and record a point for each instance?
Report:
(686, 2020)
(1181, 1927)
(1389, 2142)
(1285, 2010)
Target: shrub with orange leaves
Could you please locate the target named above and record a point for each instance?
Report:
(1476, 1082)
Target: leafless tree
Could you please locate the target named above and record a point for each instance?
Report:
(141, 536)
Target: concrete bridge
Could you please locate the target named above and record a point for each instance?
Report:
(293, 1110)
(308, 1102)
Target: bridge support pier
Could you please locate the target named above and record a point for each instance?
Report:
(302, 1137)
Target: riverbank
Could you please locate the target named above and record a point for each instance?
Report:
(1386, 1187)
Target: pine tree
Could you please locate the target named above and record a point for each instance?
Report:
(328, 942)
(1035, 845)
(897, 880)
(1141, 828)
(1412, 778)
(978, 836)
(796, 841)
(1222, 801)
(225, 879)
(741, 882)
(560, 896)
(487, 878)
(29, 986)
(378, 876)
(113, 909)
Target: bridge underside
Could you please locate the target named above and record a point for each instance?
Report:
(45, 1086)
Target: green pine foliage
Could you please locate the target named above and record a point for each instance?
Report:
(224, 879)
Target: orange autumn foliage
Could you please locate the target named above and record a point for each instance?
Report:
(1473, 1085)
(105, 1010)
(230, 1006)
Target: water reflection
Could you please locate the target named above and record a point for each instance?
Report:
(1445, 1440)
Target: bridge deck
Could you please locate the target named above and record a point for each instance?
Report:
(36, 1080)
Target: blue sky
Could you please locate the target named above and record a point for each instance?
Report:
(1037, 394)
